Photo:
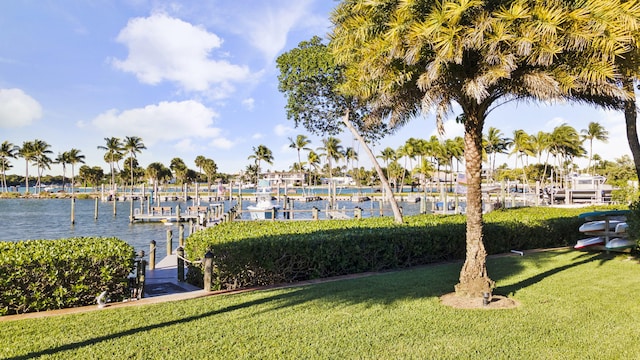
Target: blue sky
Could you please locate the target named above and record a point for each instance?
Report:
(190, 78)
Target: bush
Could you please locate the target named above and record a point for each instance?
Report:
(267, 252)
(38, 275)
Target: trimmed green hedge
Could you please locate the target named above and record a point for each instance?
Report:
(38, 275)
(267, 252)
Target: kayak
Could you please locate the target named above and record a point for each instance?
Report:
(585, 243)
(618, 243)
(600, 225)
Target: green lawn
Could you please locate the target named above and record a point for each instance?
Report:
(574, 305)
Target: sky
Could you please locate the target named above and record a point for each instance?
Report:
(192, 77)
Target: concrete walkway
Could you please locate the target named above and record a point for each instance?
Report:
(163, 280)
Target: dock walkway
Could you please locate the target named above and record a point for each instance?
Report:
(163, 280)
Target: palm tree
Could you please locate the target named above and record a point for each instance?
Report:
(179, 169)
(496, 144)
(261, 153)
(210, 169)
(403, 58)
(7, 151)
(314, 162)
(200, 161)
(521, 147)
(594, 131)
(388, 154)
(133, 145)
(333, 151)
(350, 156)
(42, 160)
(28, 153)
(300, 143)
(74, 157)
(114, 149)
(62, 160)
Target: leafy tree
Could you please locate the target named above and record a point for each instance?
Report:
(495, 143)
(200, 161)
(73, 157)
(28, 152)
(310, 77)
(210, 169)
(403, 57)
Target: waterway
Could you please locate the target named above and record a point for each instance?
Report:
(28, 219)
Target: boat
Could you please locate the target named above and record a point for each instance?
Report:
(598, 226)
(265, 208)
(619, 244)
(621, 228)
(585, 243)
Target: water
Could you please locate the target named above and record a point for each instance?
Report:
(28, 219)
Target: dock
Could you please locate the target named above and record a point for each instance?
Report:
(163, 280)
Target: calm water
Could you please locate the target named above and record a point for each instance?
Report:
(27, 219)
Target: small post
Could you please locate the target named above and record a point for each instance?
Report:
(131, 209)
(95, 210)
(181, 235)
(73, 210)
(169, 239)
(152, 255)
(178, 213)
(314, 213)
(114, 199)
(357, 212)
(208, 270)
(140, 275)
(180, 252)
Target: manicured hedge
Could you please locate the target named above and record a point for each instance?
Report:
(38, 275)
(267, 252)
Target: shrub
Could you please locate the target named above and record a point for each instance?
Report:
(267, 252)
(38, 275)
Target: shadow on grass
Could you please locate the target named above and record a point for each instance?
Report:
(582, 258)
(382, 288)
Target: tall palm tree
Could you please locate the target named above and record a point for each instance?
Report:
(314, 163)
(114, 150)
(7, 151)
(210, 169)
(133, 145)
(42, 160)
(387, 154)
(62, 160)
(351, 156)
(521, 147)
(28, 152)
(540, 144)
(74, 157)
(403, 58)
(261, 153)
(594, 131)
(333, 151)
(496, 143)
(300, 143)
(200, 161)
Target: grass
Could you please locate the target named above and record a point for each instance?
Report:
(573, 306)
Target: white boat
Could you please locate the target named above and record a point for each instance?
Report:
(585, 243)
(622, 228)
(265, 208)
(619, 243)
(597, 226)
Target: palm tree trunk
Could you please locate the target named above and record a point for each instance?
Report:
(630, 117)
(474, 280)
(397, 215)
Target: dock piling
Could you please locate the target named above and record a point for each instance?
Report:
(169, 240)
(152, 255)
(208, 270)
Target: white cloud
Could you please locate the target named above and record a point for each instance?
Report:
(165, 48)
(249, 103)
(167, 121)
(185, 146)
(222, 143)
(283, 130)
(18, 109)
(257, 136)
